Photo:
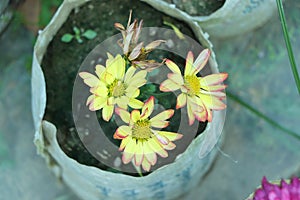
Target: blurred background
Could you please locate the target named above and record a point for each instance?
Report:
(263, 108)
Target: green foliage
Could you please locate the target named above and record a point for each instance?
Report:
(88, 34)
(47, 9)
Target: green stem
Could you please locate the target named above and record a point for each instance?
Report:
(158, 94)
(263, 116)
(288, 44)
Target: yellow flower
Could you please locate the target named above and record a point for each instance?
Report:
(140, 141)
(135, 52)
(201, 95)
(112, 86)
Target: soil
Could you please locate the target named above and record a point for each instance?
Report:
(62, 61)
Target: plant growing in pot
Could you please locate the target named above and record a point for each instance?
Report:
(138, 108)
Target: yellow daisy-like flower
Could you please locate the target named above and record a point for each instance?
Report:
(139, 140)
(112, 86)
(201, 95)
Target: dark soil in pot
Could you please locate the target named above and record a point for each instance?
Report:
(62, 61)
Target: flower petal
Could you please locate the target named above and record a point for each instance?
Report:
(135, 115)
(172, 66)
(138, 76)
(214, 88)
(213, 79)
(159, 124)
(122, 132)
(99, 70)
(124, 114)
(190, 114)
(135, 103)
(89, 79)
(97, 103)
(146, 165)
(169, 146)
(136, 51)
(170, 135)
(129, 73)
(108, 78)
(201, 60)
(122, 102)
(107, 112)
(129, 151)
(201, 116)
(163, 115)
(168, 86)
(99, 91)
(149, 153)
(176, 78)
(162, 139)
(212, 102)
(153, 45)
(156, 147)
(148, 107)
(124, 143)
(139, 153)
(117, 67)
(181, 100)
(188, 70)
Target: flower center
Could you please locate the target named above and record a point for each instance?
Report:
(116, 89)
(192, 83)
(141, 129)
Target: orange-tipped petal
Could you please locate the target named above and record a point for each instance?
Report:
(107, 112)
(146, 165)
(122, 132)
(181, 100)
(172, 66)
(124, 142)
(201, 116)
(201, 60)
(139, 154)
(176, 78)
(162, 139)
(129, 151)
(189, 64)
(124, 114)
(219, 95)
(214, 88)
(209, 115)
(169, 146)
(170, 135)
(190, 114)
(168, 86)
(160, 124)
(213, 79)
(149, 153)
(89, 79)
(212, 102)
(163, 115)
(148, 107)
(156, 147)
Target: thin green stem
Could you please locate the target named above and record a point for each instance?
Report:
(263, 116)
(288, 43)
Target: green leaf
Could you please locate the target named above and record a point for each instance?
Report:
(89, 34)
(67, 37)
(76, 30)
(79, 40)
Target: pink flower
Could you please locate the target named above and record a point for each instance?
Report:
(282, 191)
